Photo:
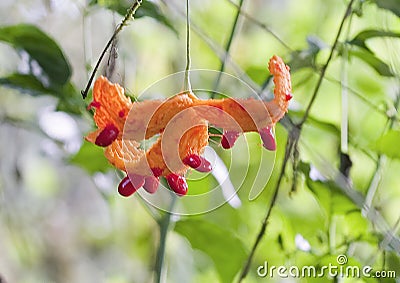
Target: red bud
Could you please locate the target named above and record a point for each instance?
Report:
(198, 163)
(177, 184)
(107, 135)
(229, 138)
(268, 138)
(151, 184)
(130, 185)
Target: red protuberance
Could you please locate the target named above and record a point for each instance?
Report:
(198, 163)
(130, 185)
(229, 138)
(107, 135)
(93, 104)
(151, 184)
(157, 172)
(267, 136)
(288, 96)
(177, 184)
(121, 114)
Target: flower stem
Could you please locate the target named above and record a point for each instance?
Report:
(186, 83)
(164, 225)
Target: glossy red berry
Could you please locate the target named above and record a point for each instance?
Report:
(268, 138)
(229, 138)
(151, 184)
(198, 163)
(177, 184)
(130, 185)
(107, 135)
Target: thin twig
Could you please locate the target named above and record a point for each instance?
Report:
(290, 145)
(164, 225)
(261, 25)
(325, 67)
(187, 86)
(129, 15)
(228, 47)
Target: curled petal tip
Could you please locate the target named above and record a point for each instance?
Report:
(107, 135)
(177, 184)
(128, 186)
(151, 184)
(198, 163)
(267, 136)
(229, 138)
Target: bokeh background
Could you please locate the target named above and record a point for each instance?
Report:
(61, 218)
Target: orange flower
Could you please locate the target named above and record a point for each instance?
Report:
(182, 125)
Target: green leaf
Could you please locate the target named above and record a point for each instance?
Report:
(368, 57)
(306, 58)
(327, 193)
(257, 74)
(70, 100)
(91, 158)
(40, 47)
(25, 83)
(388, 144)
(147, 9)
(225, 249)
(150, 9)
(391, 5)
(314, 122)
(392, 262)
(364, 35)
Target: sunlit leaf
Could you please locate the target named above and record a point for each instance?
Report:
(70, 100)
(225, 249)
(91, 158)
(388, 144)
(368, 57)
(364, 35)
(41, 48)
(146, 9)
(327, 193)
(393, 262)
(391, 5)
(257, 74)
(306, 58)
(25, 83)
(314, 122)
(150, 9)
